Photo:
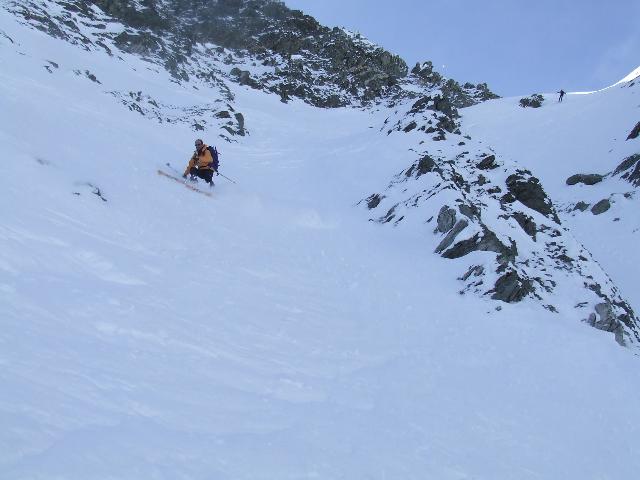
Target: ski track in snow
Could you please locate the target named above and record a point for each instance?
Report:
(270, 332)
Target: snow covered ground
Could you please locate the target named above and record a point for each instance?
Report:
(268, 332)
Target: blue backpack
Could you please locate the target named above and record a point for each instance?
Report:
(216, 157)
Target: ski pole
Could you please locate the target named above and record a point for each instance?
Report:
(171, 167)
(232, 181)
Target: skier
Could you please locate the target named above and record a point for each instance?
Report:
(562, 94)
(201, 164)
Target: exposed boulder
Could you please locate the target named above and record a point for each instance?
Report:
(582, 206)
(446, 219)
(601, 207)
(586, 178)
(488, 163)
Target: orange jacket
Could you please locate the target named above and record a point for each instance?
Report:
(202, 160)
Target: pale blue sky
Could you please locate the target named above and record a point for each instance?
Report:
(517, 46)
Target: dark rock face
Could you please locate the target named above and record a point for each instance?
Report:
(469, 211)
(326, 67)
(268, 32)
(626, 164)
(527, 224)
(410, 127)
(527, 190)
(488, 163)
(582, 206)
(601, 207)
(426, 72)
(635, 132)
(629, 169)
(511, 288)
(374, 200)
(586, 178)
(425, 165)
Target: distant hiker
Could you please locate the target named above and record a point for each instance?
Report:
(202, 163)
(562, 94)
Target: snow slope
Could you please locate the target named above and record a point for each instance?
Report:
(268, 332)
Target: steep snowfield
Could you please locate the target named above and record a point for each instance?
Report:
(586, 133)
(268, 332)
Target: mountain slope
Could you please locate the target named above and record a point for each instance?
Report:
(268, 332)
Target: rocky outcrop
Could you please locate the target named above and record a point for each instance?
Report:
(527, 189)
(527, 224)
(460, 96)
(629, 170)
(324, 66)
(446, 219)
(635, 132)
(374, 200)
(534, 101)
(511, 288)
(496, 220)
(488, 163)
(484, 241)
(293, 55)
(451, 236)
(605, 319)
(615, 316)
(243, 77)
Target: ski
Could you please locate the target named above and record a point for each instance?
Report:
(185, 183)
